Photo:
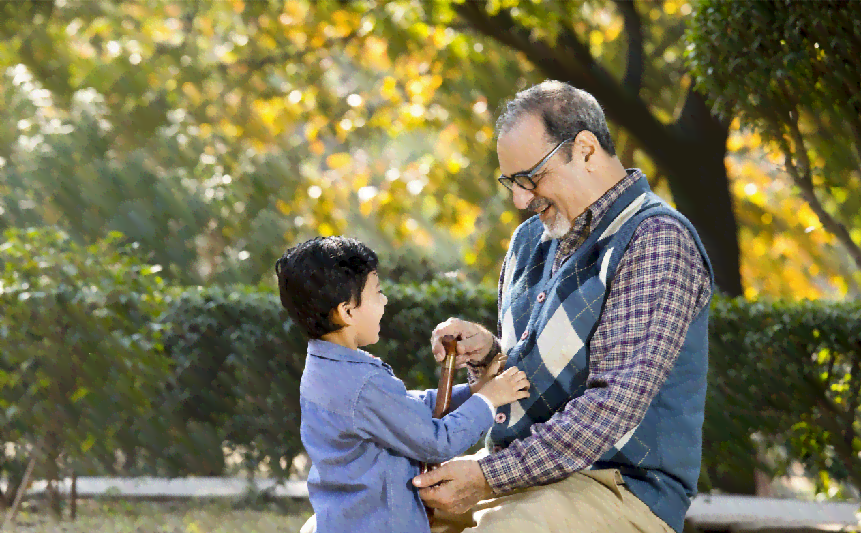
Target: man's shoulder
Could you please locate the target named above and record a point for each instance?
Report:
(665, 238)
(663, 224)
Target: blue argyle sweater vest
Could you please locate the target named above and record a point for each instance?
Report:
(547, 325)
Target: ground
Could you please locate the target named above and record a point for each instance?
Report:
(173, 517)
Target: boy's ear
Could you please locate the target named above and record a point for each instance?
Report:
(341, 315)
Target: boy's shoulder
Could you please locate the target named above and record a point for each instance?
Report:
(335, 383)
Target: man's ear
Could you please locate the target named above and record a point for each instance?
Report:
(342, 315)
(586, 145)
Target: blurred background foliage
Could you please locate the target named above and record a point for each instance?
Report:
(159, 156)
(215, 133)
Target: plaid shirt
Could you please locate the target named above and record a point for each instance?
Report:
(660, 285)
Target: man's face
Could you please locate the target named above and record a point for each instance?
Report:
(520, 149)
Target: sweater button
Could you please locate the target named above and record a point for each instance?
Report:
(500, 418)
(497, 449)
(542, 296)
(525, 334)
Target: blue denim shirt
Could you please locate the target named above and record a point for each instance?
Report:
(365, 434)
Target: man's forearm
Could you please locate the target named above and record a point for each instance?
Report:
(557, 448)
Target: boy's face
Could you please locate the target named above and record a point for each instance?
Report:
(366, 317)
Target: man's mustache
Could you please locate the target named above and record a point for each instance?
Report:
(538, 205)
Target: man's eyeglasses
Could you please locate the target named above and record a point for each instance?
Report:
(524, 179)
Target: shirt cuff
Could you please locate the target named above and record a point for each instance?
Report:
(504, 471)
(495, 348)
(489, 404)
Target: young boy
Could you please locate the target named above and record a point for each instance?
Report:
(363, 431)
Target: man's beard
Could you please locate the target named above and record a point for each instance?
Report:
(557, 226)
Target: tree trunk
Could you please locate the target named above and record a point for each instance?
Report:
(694, 158)
(52, 470)
(73, 497)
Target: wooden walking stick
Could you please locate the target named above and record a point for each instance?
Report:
(443, 395)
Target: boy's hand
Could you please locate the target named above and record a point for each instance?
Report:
(473, 341)
(507, 387)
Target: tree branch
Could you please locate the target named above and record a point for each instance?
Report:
(633, 80)
(672, 35)
(570, 60)
(802, 176)
(188, 28)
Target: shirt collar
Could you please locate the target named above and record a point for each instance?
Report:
(336, 352)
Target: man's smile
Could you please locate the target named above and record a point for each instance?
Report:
(543, 213)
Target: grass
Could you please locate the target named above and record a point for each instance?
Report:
(240, 516)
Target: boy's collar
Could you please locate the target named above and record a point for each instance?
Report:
(331, 350)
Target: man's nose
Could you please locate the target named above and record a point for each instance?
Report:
(521, 197)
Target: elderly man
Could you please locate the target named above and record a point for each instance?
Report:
(603, 302)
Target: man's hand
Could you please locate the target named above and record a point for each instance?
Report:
(473, 341)
(454, 486)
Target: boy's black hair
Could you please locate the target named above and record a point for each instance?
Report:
(318, 275)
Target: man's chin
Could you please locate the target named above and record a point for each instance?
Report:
(555, 229)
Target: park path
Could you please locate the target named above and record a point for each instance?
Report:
(735, 512)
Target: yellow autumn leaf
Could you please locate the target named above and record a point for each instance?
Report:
(422, 238)
(325, 229)
(389, 88)
(670, 7)
(230, 129)
(359, 180)
(438, 38)
(339, 160)
(614, 30)
(384, 198)
(376, 53)
(734, 143)
(415, 88)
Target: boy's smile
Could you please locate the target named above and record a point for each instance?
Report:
(368, 315)
(361, 324)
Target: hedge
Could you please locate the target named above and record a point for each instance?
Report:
(782, 374)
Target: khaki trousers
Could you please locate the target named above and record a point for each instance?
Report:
(586, 502)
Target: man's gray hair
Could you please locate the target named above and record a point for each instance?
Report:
(562, 108)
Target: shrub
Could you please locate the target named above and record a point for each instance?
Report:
(79, 355)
